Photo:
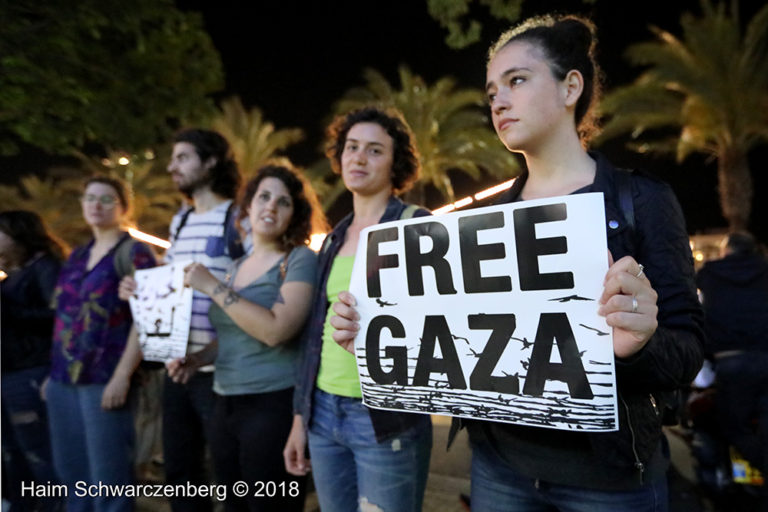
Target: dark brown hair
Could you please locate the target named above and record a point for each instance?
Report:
(568, 43)
(224, 176)
(405, 158)
(307, 215)
(29, 233)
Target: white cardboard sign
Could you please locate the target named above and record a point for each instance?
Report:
(489, 313)
(162, 310)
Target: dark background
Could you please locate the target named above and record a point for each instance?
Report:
(294, 59)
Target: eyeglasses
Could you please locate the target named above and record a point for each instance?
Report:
(105, 201)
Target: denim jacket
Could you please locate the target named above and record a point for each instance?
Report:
(385, 423)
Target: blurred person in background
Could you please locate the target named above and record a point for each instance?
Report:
(91, 422)
(31, 257)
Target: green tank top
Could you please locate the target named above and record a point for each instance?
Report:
(338, 369)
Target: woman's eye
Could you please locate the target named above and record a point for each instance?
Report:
(351, 147)
(491, 97)
(375, 151)
(516, 80)
(285, 203)
(264, 196)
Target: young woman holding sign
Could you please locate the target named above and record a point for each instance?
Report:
(542, 82)
(359, 455)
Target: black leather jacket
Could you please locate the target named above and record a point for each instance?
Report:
(674, 354)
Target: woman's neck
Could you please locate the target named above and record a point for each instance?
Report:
(558, 168)
(369, 209)
(265, 247)
(106, 237)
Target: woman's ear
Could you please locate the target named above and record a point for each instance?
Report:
(573, 87)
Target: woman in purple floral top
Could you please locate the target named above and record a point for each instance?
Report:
(91, 426)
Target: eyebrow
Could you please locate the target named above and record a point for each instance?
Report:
(370, 143)
(506, 73)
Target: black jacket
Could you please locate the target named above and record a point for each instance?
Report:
(669, 360)
(27, 317)
(735, 298)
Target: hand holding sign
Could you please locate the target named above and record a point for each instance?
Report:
(492, 313)
(629, 306)
(345, 321)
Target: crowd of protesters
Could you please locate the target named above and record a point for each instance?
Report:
(269, 386)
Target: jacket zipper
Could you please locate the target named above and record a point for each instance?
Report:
(638, 465)
(653, 403)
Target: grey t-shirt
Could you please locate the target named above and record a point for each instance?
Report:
(244, 364)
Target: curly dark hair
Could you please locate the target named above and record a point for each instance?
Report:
(225, 176)
(568, 42)
(307, 215)
(405, 158)
(28, 231)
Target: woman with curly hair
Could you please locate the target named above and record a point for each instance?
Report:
(257, 312)
(359, 455)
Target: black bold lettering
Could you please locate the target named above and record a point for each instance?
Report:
(473, 253)
(529, 248)
(399, 355)
(502, 327)
(436, 328)
(376, 261)
(435, 258)
(555, 326)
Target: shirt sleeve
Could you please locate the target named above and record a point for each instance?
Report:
(302, 266)
(142, 256)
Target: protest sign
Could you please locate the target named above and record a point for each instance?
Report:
(489, 313)
(162, 309)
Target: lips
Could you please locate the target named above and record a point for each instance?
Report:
(505, 123)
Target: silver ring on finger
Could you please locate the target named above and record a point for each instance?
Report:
(634, 304)
(640, 272)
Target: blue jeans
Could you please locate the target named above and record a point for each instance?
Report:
(187, 413)
(90, 445)
(26, 445)
(498, 488)
(351, 469)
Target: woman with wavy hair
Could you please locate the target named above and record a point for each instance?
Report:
(257, 311)
(351, 445)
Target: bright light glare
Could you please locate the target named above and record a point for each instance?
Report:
(146, 237)
(316, 241)
(123, 160)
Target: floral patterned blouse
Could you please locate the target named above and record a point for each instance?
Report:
(92, 323)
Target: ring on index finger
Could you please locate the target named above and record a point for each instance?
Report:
(640, 272)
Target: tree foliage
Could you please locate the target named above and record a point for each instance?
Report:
(711, 88)
(253, 139)
(120, 74)
(462, 32)
(450, 125)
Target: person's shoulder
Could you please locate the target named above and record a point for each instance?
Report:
(302, 253)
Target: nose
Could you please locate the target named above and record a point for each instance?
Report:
(171, 166)
(500, 103)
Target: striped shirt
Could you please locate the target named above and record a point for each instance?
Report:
(201, 240)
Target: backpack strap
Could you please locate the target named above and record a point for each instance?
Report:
(409, 211)
(232, 235)
(184, 217)
(122, 257)
(624, 192)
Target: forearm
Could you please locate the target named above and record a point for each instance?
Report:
(130, 358)
(256, 320)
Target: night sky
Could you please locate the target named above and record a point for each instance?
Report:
(294, 60)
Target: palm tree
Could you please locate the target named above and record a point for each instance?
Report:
(711, 87)
(54, 199)
(253, 139)
(450, 126)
